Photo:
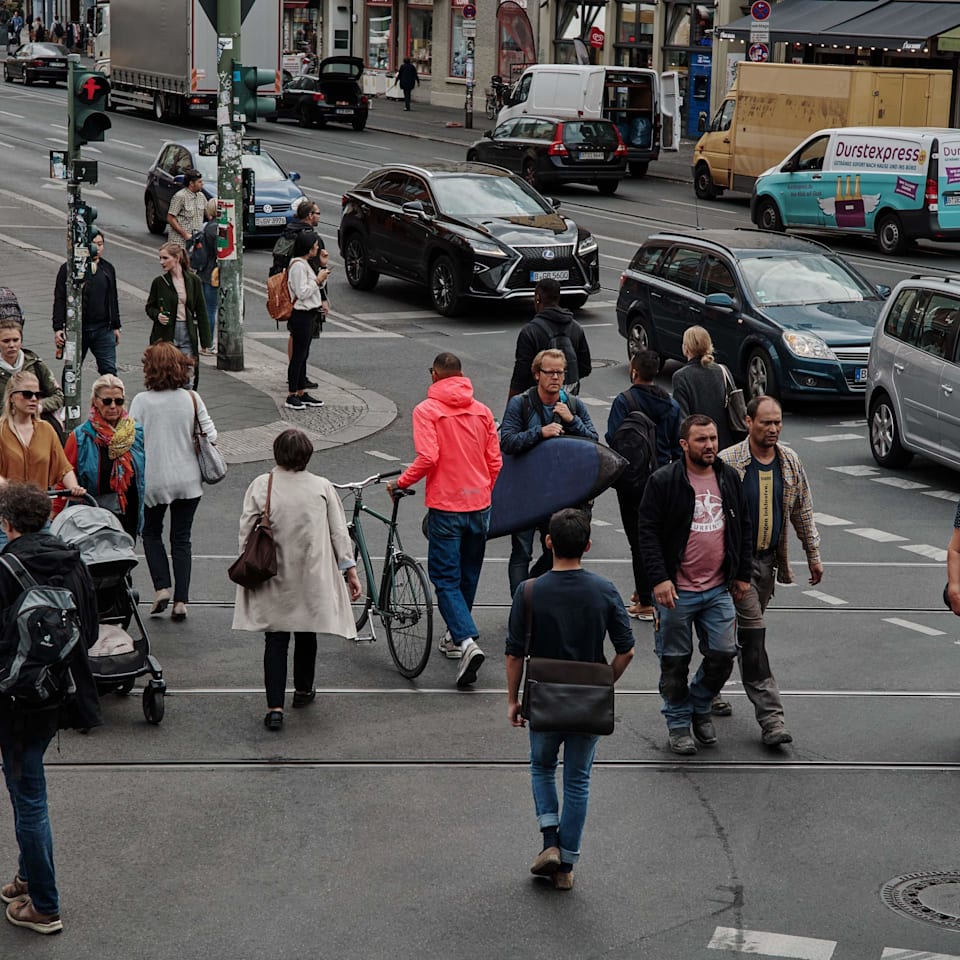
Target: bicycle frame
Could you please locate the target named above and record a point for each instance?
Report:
(394, 546)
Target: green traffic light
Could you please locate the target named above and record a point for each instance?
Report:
(246, 81)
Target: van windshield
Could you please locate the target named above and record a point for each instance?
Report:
(803, 278)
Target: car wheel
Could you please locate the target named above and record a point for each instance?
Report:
(761, 379)
(154, 223)
(703, 183)
(358, 125)
(27, 79)
(303, 117)
(768, 216)
(444, 286)
(890, 236)
(530, 173)
(608, 187)
(356, 264)
(472, 156)
(575, 303)
(885, 442)
(640, 337)
(639, 169)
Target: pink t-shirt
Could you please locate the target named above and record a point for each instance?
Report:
(701, 566)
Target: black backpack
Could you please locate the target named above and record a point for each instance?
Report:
(561, 342)
(635, 441)
(40, 630)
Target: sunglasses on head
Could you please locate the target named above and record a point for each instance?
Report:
(30, 394)
(110, 401)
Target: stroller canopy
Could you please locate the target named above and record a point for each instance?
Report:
(97, 533)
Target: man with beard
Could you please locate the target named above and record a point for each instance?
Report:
(695, 540)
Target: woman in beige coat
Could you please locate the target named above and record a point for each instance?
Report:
(308, 595)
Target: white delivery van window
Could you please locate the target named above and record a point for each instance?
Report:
(523, 90)
(810, 157)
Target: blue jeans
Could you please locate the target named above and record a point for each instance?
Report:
(103, 344)
(211, 297)
(31, 821)
(578, 753)
(713, 615)
(454, 560)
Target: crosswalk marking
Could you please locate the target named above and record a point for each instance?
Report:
(828, 520)
(916, 627)
(833, 437)
(593, 401)
(380, 455)
(856, 470)
(900, 483)
(879, 536)
(825, 597)
(852, 423)
(895, 953)
(926, 550)
(771, 944)
(601, 523)
(950, 495)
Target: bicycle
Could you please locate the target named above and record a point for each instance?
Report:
(495, 96)
(403, 601)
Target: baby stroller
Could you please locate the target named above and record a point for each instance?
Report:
(117, 658)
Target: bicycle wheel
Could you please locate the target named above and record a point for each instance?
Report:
(408, 616)
(361, 607)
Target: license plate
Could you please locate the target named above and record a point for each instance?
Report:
(860, 374)
(549, 275)
(271, 221)
(56, 63)
(348, 112)
(590, 155)
(951, 199)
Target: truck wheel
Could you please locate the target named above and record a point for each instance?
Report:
(154, 224)
(703, 183)
(159, 108)
(890, 236)
(639, 169)
(768, 216)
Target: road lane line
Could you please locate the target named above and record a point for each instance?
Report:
(950, 495)
(7, 113)
(900, 483)
(833, 437)
(771, 944)
(852, 423)
(916, 627)
(857, 470)
(127, 143)
(598, 305)
(825, 597)
(828, 520)
(136, 183)
(927, 550)
(593, 402)
(380, 455)
(481, 333)
(878, 536)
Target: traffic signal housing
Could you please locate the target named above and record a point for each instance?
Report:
(88, 118)
(247, 102)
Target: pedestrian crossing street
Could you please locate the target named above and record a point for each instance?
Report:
(761, 943)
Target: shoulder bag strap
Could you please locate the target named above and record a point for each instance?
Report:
(196, 414)
(527, 615)
(630, 397)
(12, 564)
(266, 507)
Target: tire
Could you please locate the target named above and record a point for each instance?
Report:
(575, 303)
(27, 79)
(608, 187)
(356, 264)
(361, 607)
(154, 223)
(761, 378)
(890, 238)
(472, 156)
(703, 183)
(303, 116)
(408, 616)
(639, 169)
(885, 442)
(444, 286)
(641, 337)
(530, 173)
(160, 112)
(153, 705)
(768, 216)
(359, 125)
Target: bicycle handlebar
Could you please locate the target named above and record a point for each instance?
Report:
(376, 478)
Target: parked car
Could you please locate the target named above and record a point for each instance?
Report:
(788, 316)
(334, 95)
(913, 382)
(275, 191)
(31, 62)
(463, 230)
(546, 152)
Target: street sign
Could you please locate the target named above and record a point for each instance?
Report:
(760, 10)
(597, 38)
(759, 52)
(759, 32)
(469, 12)
(469, 29)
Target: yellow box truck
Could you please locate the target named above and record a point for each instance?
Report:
(771, 107)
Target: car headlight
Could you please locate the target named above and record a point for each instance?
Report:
(295, 203)
(487, 248)
(808, 346)
(586, 245)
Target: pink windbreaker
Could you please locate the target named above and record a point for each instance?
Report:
(457, 448)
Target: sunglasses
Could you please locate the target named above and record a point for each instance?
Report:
(30, 394)
(110, 401)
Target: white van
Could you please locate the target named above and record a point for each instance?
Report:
(643, 105)
(897, 183)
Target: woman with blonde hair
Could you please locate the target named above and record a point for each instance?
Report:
(700, 387)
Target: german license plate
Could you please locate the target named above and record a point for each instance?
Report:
(590, 155)
(57, 63)
(860, 375)
(951, 199)
(348, 112)
(271, 221)
(536, 275)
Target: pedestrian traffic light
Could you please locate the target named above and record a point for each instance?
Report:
(248, 105)
(88, 119)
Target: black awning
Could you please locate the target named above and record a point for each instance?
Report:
(895, 23)
(804, 21)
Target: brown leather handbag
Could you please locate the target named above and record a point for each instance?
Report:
(568, 696)
(258, 562)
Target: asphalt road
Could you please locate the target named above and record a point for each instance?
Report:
(394, 818)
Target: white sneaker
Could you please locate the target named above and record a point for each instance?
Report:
(470, 662)
(447, 647)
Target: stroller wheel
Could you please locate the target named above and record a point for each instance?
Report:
(126, 687)
(153, 703)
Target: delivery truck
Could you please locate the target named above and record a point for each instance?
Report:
(771, 107)
(163, 54)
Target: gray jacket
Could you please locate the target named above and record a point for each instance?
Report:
(699, 389)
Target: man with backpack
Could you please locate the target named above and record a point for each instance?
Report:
(552, 328)
(43, 583)
(643, 427)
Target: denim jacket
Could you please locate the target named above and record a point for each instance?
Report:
(526, 415)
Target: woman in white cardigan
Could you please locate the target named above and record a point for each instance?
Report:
(305, 291)
(172, 473)
(308, 595)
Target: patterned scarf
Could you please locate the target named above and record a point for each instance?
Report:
(117, 440)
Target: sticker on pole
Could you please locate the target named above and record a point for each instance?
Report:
(759, 52)
(226, 230)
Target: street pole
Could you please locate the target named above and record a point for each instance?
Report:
(78, 255)
(229, 191)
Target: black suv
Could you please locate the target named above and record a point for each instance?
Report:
(788, 316)
(463, 230)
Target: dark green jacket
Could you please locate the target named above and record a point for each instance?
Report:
(163, 299)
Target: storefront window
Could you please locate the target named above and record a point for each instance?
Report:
(379, 23)
(419, 46)
(458, 43)
(636, 23)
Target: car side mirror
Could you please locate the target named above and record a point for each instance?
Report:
(721, 302)
(789, 166)
(883, 290)
(415, 208)
(293, 176)
(488, 134)
(555, 203)
(178, 179)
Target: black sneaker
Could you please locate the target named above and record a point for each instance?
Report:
(293, 402)
(310, 385)
(309, 401)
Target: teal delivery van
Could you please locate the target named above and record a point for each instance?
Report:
(897, 183)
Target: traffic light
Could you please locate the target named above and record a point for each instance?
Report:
(247, 104)
(88, 119)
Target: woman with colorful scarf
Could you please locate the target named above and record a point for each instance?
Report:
(108, 454)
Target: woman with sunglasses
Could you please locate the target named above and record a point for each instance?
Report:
(108, 454)
(14, 357)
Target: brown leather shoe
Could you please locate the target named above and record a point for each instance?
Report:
(547, 862)
(15, 890)
(22, 914)
(563, 881)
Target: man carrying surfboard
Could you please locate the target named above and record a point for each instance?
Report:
(458, 452)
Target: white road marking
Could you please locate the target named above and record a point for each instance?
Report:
(832, 437)
(879, 536)
(895, 953)
(852, 423)
(600, 236)
(601, 523)
(397, 315)
(593, 402)
(825, 597)
(699, 206)
(57, 139)
(910, 625)
(900, 483)
(380, 455)
(350, 333)
(857, 470)
(93, 150)
(481, 333)
(377, 146)
(127, 143)
(771, 944)
(598, 305)
(951, 495)
(9, 146)
(7, 113)
(585, 325)
(927, 550)
(829, 520)
(136, 183)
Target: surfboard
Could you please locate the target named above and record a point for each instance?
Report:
(556, 473)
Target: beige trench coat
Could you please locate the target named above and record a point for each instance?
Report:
(308, 593)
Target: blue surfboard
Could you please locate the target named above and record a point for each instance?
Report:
(556, 473)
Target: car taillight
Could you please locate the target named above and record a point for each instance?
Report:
(623, 279)
(318, 97)
(931, 195)
(364, 101)
(557, 148)
(36, 63)
(621, 150)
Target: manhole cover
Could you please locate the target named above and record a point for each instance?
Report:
(932, 897)
(594, 362)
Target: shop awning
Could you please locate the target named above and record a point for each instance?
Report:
(896, 23)
(802, 21)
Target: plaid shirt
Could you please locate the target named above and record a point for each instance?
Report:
(188, 208)
(797, 503)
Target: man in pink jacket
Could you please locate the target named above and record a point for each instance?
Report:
(459, 454)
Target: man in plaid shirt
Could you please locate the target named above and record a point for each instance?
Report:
(777, 493)
(187, 209)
